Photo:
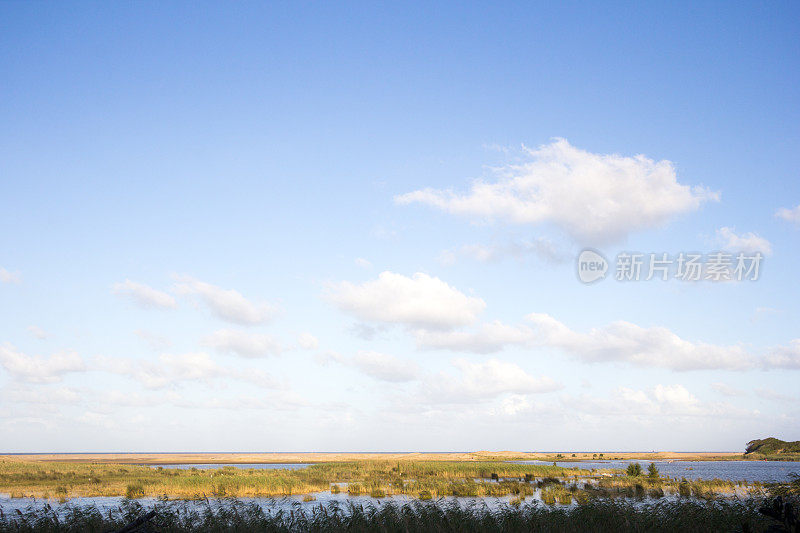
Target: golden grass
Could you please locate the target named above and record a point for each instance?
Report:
(439, 478)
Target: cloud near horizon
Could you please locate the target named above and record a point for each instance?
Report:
(620, 341)
(37, 369)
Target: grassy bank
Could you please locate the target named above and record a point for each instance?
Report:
(234, 516)
(416, 478)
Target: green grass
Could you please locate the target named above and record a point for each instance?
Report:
(236, 516)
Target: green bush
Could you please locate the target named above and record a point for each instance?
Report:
(634, 470)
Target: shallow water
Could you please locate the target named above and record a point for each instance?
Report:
(272, 505)
(763, 471)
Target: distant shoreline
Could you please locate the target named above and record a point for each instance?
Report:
(325, 457)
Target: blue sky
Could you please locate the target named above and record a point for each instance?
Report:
(354, 227)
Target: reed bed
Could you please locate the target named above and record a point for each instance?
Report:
(236, 516)
(432, 478)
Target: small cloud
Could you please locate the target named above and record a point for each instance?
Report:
(762, 312)
(227, 304)
(9, 277)
(144, 295)
(420, 300)
(746, 242)
(775, 396)
(307, 341)
(789, 214)
(242, 343)
(380, 366)
(155, 341)
(363, 263)
(540, 248)
(37, 332)
(727, 390)
(484, 380)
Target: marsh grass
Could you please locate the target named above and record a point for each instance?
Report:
(237, 516)
(437, 478)
(420, 479)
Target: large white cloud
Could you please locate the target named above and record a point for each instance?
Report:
(144, 295)
(594, 198)
(37, 369)
(417, 301)
(242, 343)
(226, 304)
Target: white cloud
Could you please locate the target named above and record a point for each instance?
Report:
(487, 338)
(144, 295)
(620, 341)
(38, 369)
(787, 357)
(307, 341)
(46, 397)
(101, 420)
(242, 343)
(418, 301)
(727, 390)
(380, 366)
(226, 304)
(594, 198)
(484, 380)
(789, 214)
(746, 242)
(363, 263)
(650, 347)
(173, 369)
(154, 340)
(9, 277)
(769, 394)
(540, 247)
(673, 401)
(37, 332)
(675, 397)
